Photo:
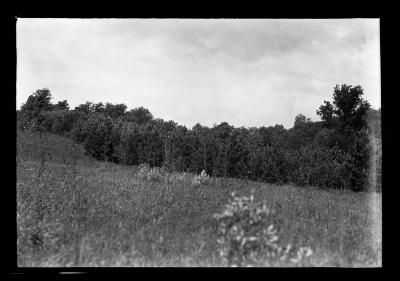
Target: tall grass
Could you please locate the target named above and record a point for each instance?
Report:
(73, 211)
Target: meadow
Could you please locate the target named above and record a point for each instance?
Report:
(75, 211)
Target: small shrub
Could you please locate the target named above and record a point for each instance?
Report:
(201, 179)
(247, 236)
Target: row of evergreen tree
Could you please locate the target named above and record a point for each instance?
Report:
(335, 152)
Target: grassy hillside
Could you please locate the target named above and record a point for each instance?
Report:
(74, 211)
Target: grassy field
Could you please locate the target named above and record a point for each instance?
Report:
(74, 211)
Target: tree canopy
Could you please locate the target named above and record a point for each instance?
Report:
(331, 153)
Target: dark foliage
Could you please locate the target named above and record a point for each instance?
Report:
(332, 153)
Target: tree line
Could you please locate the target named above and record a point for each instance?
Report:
(335, 152)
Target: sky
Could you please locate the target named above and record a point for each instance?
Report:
(247, 72)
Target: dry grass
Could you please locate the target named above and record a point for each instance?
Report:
(73, 211)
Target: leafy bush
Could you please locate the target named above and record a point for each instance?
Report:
(97, 136)
(247, 235)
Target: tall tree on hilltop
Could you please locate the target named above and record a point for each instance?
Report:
(348, 108)
(326, 112)
(36, 103)
(349, 113)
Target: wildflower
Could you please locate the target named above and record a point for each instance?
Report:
(201, 179)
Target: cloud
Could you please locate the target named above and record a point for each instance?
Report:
(246, 72)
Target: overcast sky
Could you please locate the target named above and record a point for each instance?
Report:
(247, 72)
